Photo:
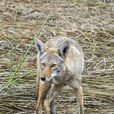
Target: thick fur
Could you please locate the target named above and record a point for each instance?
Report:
(60, 62)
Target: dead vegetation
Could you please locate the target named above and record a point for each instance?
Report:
(88, 23)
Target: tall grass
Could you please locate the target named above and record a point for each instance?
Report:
(21, 76)
(11, 81)
(12, 44)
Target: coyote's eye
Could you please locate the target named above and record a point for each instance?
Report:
(53, 65)
(43, 64)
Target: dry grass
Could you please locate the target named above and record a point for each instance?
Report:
(91, 25)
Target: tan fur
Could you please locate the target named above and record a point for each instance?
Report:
(47, 49)
(64, 73)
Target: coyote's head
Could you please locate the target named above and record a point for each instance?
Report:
(52, 60)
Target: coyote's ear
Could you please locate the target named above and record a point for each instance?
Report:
(63, 49)
(40, 46)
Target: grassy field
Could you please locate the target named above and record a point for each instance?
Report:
(89, 22)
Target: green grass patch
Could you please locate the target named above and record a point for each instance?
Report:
(11, 80)
(12, 43)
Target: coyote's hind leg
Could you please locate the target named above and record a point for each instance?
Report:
(79, 96)
(79, 93)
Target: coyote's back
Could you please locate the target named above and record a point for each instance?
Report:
(60, 62)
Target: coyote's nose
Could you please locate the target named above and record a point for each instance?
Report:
(43, 78)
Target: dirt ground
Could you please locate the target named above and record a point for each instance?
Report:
(91, 24)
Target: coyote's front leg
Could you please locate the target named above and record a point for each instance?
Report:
(43, 90)
(49, 103)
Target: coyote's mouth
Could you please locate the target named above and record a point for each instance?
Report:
(48, 79)
(43, 78)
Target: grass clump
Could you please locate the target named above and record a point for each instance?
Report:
(11, 79)
(88, 2)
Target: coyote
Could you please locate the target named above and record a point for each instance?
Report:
(60, 62)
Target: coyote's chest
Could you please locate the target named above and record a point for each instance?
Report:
(63, 79)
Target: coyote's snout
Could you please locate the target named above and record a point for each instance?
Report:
(60, 62)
